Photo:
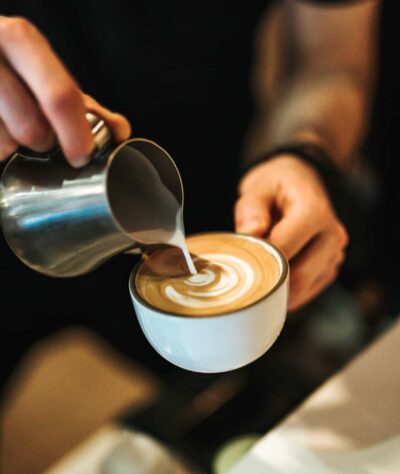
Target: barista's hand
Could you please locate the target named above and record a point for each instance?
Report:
(284, 199)
(40, 102)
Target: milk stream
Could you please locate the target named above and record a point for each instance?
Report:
(178, 239)
(144, 205)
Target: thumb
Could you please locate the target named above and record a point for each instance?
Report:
(120, 126)
(252, 215)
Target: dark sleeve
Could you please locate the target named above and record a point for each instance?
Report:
(331, 2)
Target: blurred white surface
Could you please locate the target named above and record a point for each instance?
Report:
(87, 458)
(351, 425)
(116, 450)
(276, 454)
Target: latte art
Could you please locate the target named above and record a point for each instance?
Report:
(233, 272)
(225, 279)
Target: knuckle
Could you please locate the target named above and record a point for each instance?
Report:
(315, 208)
(59, 100)
(341, 258)
(238, 211)
(345, 236)
(239, 204)
(15, 27)
(323, 209)
(313, 216)
(332, 275)
(342, 235)
(245, 204)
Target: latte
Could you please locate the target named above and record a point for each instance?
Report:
(234, 271)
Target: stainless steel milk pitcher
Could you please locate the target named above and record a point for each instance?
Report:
(64, 222)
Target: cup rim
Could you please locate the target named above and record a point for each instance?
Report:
(281, 280)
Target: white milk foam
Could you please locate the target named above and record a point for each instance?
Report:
(235, 280)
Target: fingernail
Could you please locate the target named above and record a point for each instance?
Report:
(79, 162)
(250, 226)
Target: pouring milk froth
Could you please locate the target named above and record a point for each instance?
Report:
(158, 215)
(65, 222)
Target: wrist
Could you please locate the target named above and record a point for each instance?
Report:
(315, 157)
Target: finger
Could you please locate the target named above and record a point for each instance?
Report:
(252, 215)
(7, 144)
(119, 125)
(322, 256)
(21, 115)
(294, 230)
(320, 284)
(31, 56)
(339, 259)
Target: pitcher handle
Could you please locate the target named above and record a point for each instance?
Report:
(101, 134)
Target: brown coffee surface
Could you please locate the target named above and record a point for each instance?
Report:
(233, 272)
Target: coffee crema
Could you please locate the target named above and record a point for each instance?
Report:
(234, 271)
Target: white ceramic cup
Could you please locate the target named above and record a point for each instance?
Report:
(217, 343)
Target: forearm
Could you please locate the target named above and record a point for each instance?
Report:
(323, 94)
(331, 110)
